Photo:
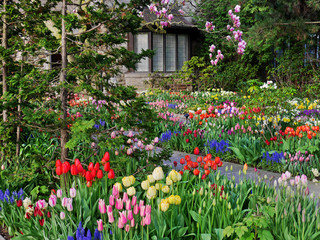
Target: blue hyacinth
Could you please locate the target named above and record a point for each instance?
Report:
(273, 158)
(222, 146)
(11, 198)
(165, 136)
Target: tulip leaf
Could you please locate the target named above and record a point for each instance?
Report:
(182, 231)
(206, 236)
(219, 233)
(195, 216)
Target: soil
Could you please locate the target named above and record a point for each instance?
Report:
(4, 233)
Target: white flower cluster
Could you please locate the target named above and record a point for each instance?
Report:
(269, 85)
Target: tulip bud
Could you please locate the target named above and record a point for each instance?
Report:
(214, 202)
(62, 215)
(59, 193)
(100, 225)
(73, 192)
(3, 167)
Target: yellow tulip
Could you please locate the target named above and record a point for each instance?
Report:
(177, 199)
(151, 192)
(145, 185)
(126, 182)
(150, 179)
(132, 179)
(131, 191)
(158, 186)
(164, 205)
(172, 199)
(165, 189)
(168, 181)
(158, 173)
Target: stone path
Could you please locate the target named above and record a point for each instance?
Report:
(271, 176)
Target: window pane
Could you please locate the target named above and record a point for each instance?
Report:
(170, 52)
(182, 49)
(141, 42)
(158, 48)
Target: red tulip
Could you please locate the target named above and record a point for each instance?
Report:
(175, 163)
(19, 203)
(64, 167)
(88, 176)
(187, 140)
(199, 159)
(58, 170)
(106, 157)
(58, 163)
(93, 173)
(99, 174)
(181, 172)
(74, 170)
(111, 174)
(107, 167)
(49, 214)
(209, 156)
(196, 172)
(203, 176)
(182, 161)
(41, 221)
(217, 160)
(91, 166)
(77, 162)
(206, 172)
(187, 158)
(196, 151)
(89, 184)
(186, 167)
(97, 166)
(79, 168)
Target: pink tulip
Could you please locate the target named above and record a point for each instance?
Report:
(109, 208)
(134, 200)
(142, 211)
(136, 209)
(111, 200)
(110, 217)
(120, 224)
(130, 215)
(125, 197)
(102, 206)
(100, 225)
(127, 228)
(73, 192)
(297, 180)
(53, 200)
(123, 217)
(304, 179)
(128, 205)
(62, 215)
(132, 222)
(59, 193)
(148, 209)
(115, 191)
(141, 203)
(147, 219)
(119, 204)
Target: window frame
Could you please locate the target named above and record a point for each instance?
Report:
(150, 46)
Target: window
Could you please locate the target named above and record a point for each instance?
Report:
(171, 51)
(141, 42)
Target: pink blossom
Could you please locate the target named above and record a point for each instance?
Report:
(237, 8)
(111, 200)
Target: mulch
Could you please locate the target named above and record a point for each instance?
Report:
(4, 233)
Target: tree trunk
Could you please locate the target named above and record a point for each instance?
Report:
(4, 68)
(63, 91)
(4, 64)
